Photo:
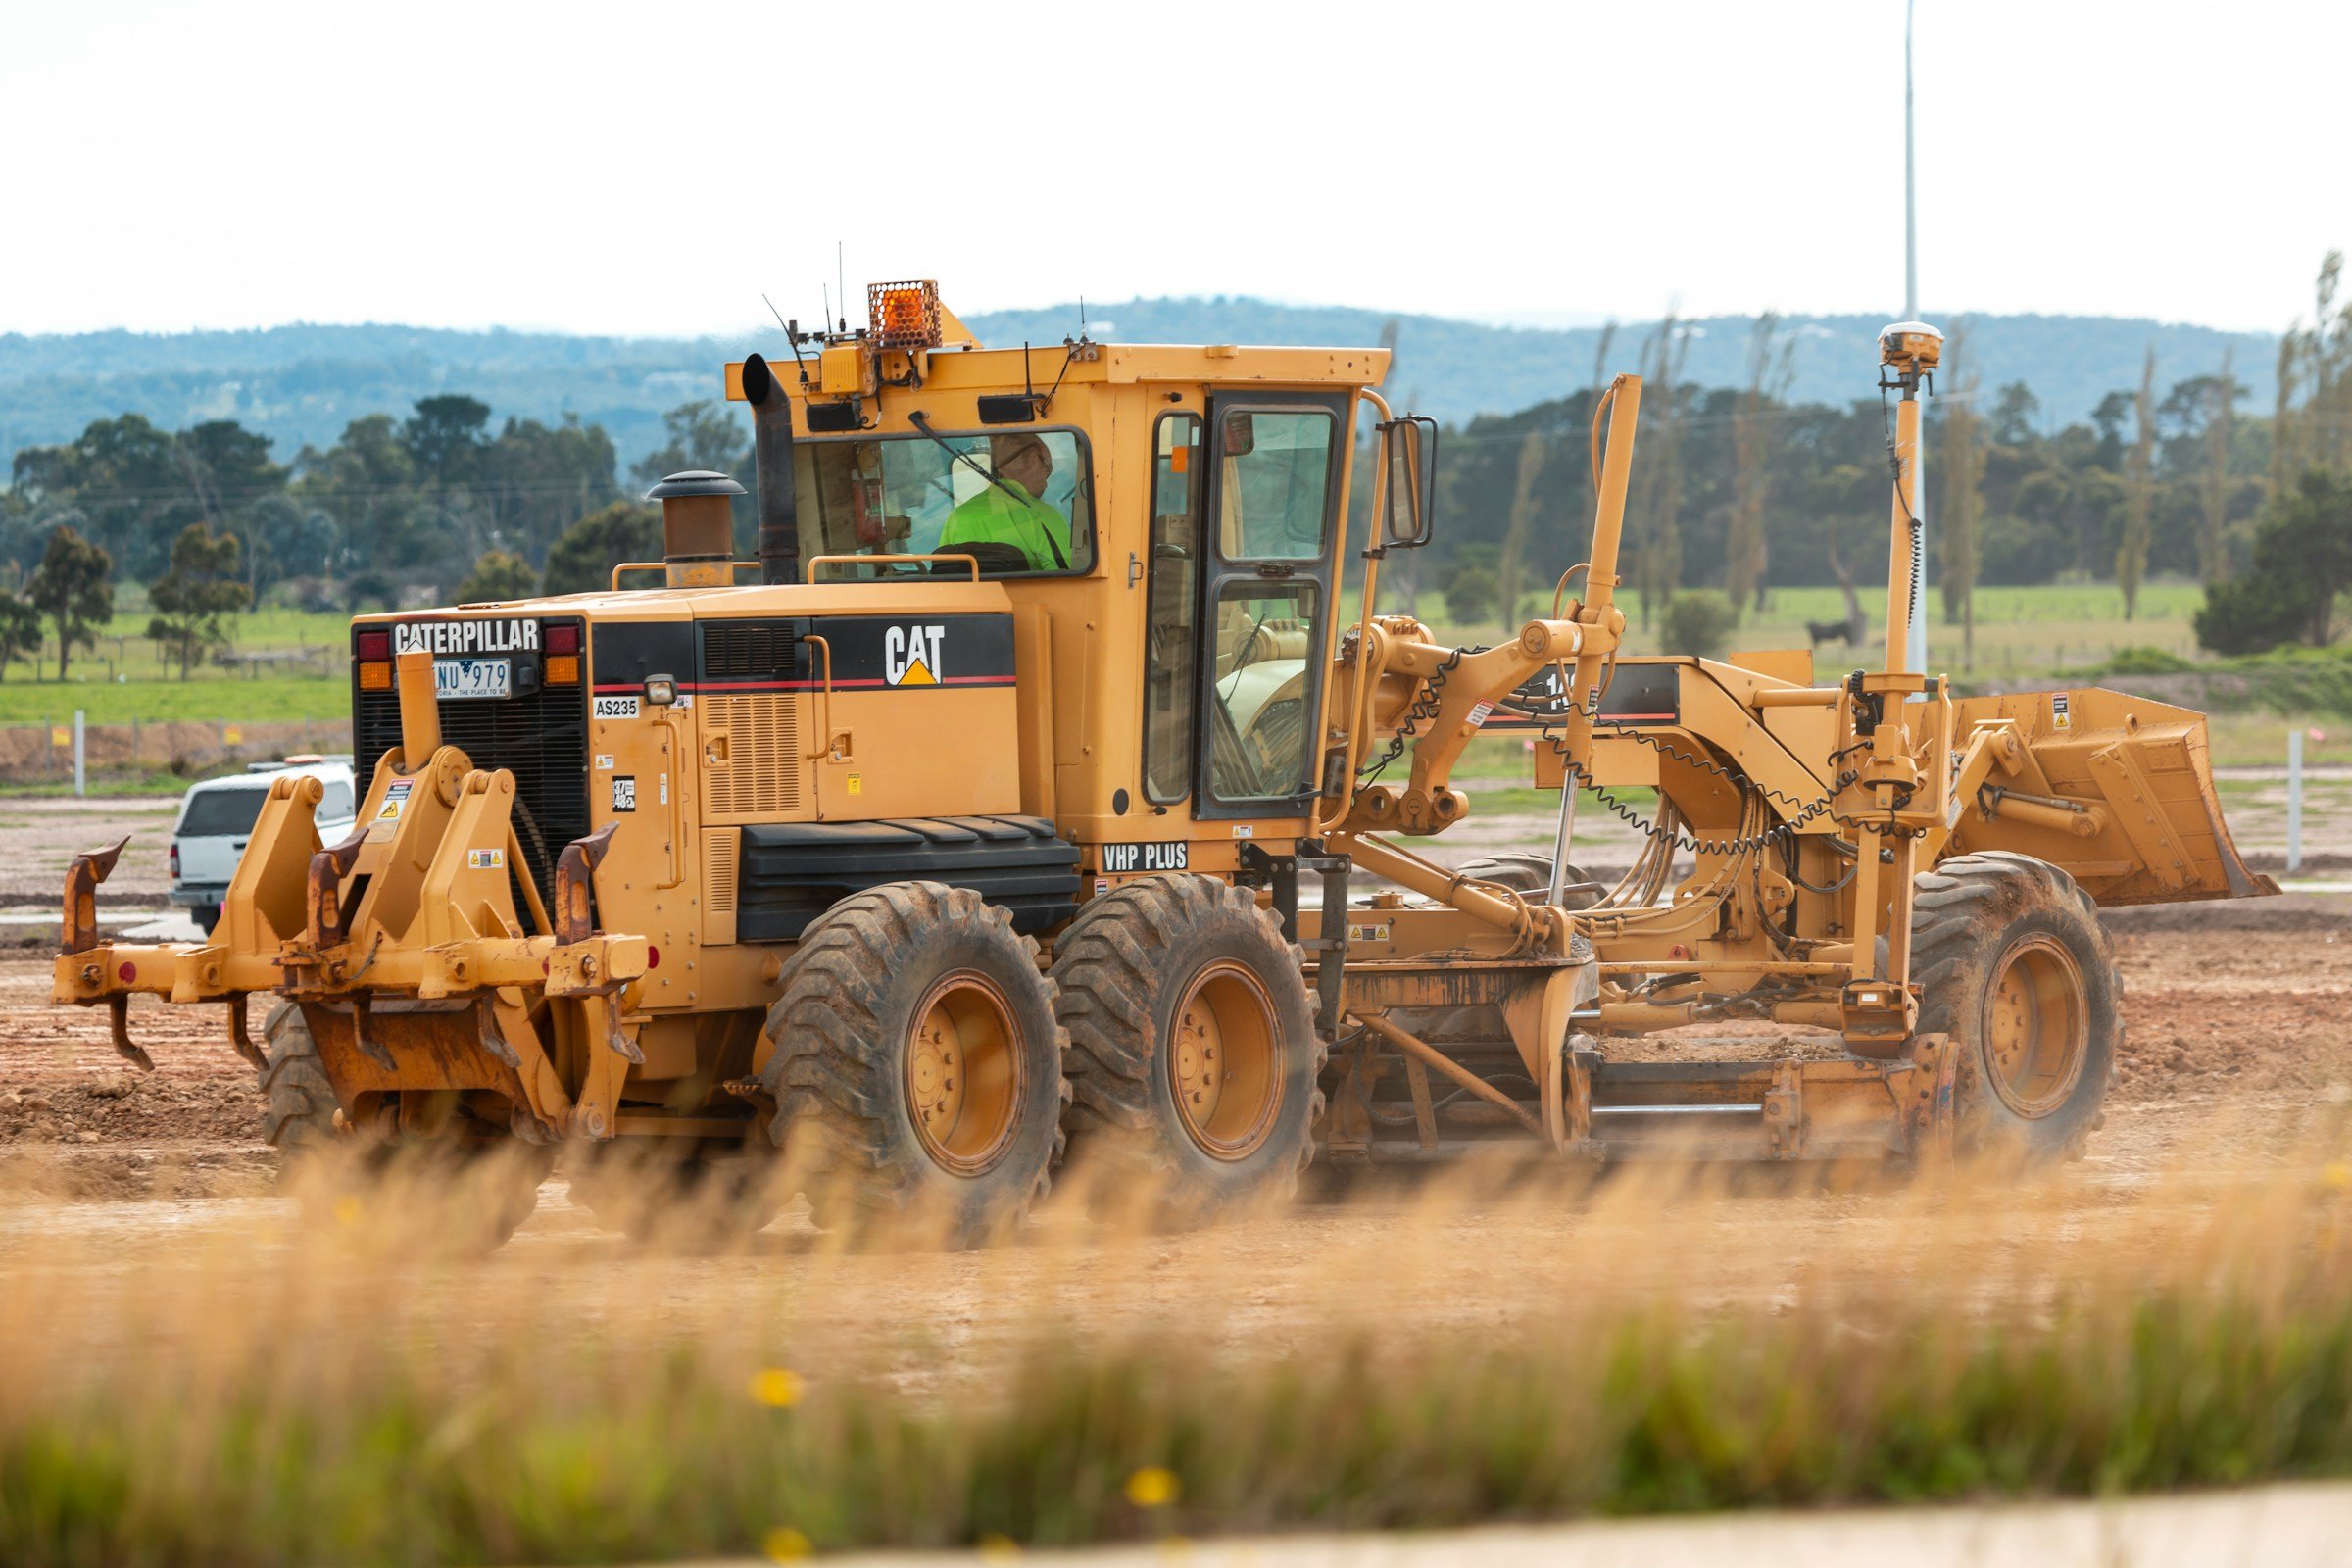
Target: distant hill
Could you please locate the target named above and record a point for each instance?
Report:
(302, 384)
(1454, 368)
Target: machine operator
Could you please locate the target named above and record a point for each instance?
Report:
(1009, 512)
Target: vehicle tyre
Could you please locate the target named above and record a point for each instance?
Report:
(2012, 964)
(331, 1172)
(1524, 873)
(298, 1118)
(916, 1066)
(1194, 1056)
(206, 916)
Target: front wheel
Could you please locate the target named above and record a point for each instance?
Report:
(1193, 1055)
(916, 1064)
(2013, 964)
(298, 1117)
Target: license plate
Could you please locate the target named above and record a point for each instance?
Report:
(458, 679)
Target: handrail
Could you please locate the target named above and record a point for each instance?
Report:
(824, 723)
(733, 566)
(815, 561)
(1362, 718)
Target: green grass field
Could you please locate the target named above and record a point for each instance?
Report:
(2023, 634)
(126, 680)
(2020, 632)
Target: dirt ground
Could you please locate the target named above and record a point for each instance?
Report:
(2238, 1039)
(2251, 1028)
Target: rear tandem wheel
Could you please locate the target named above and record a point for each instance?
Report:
(1194, 1056)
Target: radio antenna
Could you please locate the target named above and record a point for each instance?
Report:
(841, 279)
(792, 336)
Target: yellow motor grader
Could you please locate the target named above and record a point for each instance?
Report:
(1032, 785)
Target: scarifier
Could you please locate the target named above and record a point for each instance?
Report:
(930, 849)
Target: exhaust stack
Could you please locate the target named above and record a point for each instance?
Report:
(771, 444)
(697, 527)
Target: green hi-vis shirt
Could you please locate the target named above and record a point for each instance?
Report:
(1030, 525)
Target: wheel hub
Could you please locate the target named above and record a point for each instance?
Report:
(963, 1073)
(2036, 1026)
(1224, 1061)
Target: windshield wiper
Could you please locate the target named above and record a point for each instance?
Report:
(914, 417)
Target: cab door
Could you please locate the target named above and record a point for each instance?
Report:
(1272, 499)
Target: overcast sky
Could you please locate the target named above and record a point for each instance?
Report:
(652, 167)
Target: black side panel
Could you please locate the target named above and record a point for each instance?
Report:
(1642, 694)
(623, 653)
(974, 650)
(793, 872)
(749, 650)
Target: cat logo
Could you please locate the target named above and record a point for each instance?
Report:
(910, 655)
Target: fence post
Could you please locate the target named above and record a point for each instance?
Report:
(80, 773)
(2294, 800)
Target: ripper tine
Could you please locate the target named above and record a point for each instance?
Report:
(240, 1033)
(621, 1043)
(118, 1022)
(493, 1038)
(83, 879)
(360, 1037)
(325, 907)
(575, 870)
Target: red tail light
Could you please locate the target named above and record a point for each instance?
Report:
(375, 644)
(174, 862)
(562, 638)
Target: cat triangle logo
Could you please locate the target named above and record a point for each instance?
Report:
(910, 655)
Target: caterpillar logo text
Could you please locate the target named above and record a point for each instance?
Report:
(910, 655)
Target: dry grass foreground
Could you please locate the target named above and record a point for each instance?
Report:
(361, 1385)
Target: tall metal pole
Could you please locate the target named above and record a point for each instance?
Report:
(1915, 641)
(1910, 185)
(2294, 800)
(1623, 402)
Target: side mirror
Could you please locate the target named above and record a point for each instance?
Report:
(1409, 508)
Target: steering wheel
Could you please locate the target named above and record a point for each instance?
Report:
(994, 556)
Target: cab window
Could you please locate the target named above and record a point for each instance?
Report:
(1017, 501)
(1169, 641)
(1262, 734)
(1276, 486)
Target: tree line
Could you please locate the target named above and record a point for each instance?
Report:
(1736, 490)
(210, 521)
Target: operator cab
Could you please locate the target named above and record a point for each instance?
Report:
(936, 495)
(1166, 522)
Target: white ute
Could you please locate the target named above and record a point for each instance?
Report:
(217, 817)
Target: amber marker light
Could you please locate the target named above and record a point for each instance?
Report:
(563, 670)
(375, 678)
